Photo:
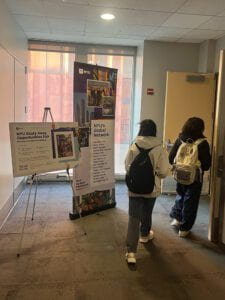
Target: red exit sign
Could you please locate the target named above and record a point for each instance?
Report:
(150, 91)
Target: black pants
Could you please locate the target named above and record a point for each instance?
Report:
(186, 204)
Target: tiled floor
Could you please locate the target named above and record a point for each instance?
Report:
(59, 262)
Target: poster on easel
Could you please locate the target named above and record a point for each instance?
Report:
(94, 111)
(43, 147)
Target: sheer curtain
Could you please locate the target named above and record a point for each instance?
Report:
(50, 84)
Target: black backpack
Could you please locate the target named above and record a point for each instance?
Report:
(140, 178)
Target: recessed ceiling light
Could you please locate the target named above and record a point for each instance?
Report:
(107, 17)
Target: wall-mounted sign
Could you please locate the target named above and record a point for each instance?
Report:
(150, 91)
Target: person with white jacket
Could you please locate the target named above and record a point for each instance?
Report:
(141, 205)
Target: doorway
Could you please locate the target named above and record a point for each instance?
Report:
(189, 95)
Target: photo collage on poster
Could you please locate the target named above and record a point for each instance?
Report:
(95, 200)
(63, 142)
(99, 94)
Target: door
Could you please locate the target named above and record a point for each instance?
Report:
(19, 100)
(6, 108)
(217, 209)
(187, 95)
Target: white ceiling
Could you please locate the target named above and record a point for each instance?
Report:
(136, 20)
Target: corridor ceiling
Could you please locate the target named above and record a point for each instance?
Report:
(135, 20)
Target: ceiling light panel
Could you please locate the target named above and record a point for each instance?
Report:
(107, 16)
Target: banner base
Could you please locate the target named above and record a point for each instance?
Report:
(74, 216)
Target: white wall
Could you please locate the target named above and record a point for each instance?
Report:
(158, 58)
(12, 37)
(13, 52)
(207, 56)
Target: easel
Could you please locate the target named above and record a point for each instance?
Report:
(35, 177)
(44, 120)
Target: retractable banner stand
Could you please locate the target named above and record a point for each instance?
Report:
(94, 111)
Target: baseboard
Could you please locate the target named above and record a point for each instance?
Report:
(10, 203)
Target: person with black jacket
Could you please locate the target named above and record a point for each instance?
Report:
(185, 209)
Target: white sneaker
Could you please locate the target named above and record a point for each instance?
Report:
(175, 223)
(183, 233)
(145, 239)
(130, 258)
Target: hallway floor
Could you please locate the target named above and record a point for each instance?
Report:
(59, 262)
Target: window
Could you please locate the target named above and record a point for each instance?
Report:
(50, 84)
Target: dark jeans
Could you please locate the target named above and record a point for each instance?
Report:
(140, 218)
(186, 204)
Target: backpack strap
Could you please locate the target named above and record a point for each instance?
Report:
(142, 149)
(199, 141)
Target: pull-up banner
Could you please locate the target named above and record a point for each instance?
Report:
(94, 111)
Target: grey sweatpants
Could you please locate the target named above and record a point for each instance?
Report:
(140, 213)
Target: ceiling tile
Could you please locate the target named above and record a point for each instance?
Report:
(26, 7)
(33, 23)
(54, 37)
(66, 26)
(182, 40)
(222, 14)
(84, 2)
(79, 20)
(185, 21)
(98, 35)
(216, 23)
(163, 39)
(83, 39)
(153, 5)
(169, 32)
(90, 13)
(102, 27)
(65, 11)
(129, 36)
(159, 5)
(139, 17)
(137, 30)
(204, 34)
(203, 7)
(38, 35)
(113, 3)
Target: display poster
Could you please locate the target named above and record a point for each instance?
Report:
(102, 150)
(43, 147)
(94, 111)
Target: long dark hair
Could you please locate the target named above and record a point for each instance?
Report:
(193, 128)
(147, 128)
